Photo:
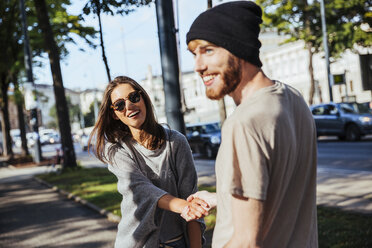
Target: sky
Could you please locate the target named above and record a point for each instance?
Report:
(131, 44)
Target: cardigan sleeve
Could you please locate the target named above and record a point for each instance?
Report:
(185, 169)
(140, 195)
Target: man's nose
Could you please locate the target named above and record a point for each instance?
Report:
(200, 66)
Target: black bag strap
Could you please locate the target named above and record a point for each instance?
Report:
(172, 157)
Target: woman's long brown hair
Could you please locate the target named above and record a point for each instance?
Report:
(110, 130)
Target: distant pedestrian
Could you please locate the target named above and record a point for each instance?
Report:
(57, 158)
(266, 164)
(154, 167)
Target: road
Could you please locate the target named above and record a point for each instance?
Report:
(332, 154)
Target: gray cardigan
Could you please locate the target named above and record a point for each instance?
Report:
(143, 177)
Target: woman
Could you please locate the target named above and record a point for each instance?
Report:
(154, 167)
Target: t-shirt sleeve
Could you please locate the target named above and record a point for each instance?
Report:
(246, 150)
(139, 193)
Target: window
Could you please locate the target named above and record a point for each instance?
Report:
(325, 110)
(319, 110)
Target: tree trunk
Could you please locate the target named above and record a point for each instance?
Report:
(102, 43)
(5, 124)
(210, 4)
(21, 121)
(69, 159)
(311, 71)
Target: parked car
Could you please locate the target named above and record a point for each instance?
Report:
(348, 121)
(49, 136)
(204, 138)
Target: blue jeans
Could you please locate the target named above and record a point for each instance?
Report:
(176, 244)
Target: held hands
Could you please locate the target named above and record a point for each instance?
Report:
(195, 209)
(199, 205)
(209, 198)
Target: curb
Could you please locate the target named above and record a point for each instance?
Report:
(110, 216)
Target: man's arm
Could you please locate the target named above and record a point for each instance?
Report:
(247, 215)
(208, 197)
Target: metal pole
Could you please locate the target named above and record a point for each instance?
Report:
(325, 44)
(169, 64)
(28, 66)
(346, 92)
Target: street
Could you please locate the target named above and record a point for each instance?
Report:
(332, 154)
(343, 180)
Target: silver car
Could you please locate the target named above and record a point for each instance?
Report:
(348, 121)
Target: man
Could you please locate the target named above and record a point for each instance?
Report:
(266, 165)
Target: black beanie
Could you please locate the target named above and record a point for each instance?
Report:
(233, 26)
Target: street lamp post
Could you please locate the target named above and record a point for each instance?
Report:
(30, 79)
(325, 45)
(169, 64)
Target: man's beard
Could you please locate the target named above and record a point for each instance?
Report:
(231, 78)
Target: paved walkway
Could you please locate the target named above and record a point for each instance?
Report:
(32, 215)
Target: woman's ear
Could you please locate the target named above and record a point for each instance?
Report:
(115, 116)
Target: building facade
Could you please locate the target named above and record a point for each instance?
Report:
(290, 62)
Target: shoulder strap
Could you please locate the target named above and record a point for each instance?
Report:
(172, 157)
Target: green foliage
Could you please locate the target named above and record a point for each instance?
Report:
(89, 118)
(301, 20)
(53, 114)
(73, 109)
(67, 28)
(343, 229)
(113, 6)
(96, 185)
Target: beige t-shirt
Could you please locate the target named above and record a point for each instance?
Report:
(269, 152)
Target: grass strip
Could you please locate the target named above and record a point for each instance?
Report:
(336, 228)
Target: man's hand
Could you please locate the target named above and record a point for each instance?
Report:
(195, 209)
(209, 198)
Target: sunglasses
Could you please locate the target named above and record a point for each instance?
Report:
(133, 97)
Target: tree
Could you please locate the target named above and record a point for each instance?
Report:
(89, 118)
(69, 159)
(73, 109)
(66, 28)
(300, 19)
(348, 24)
(111, 7)
(53, 114)
(18, 98)
(8, 13)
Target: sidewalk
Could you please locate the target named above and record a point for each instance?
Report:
(346, 189)
(32, 215)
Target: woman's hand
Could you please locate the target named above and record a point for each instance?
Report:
(195, 209)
